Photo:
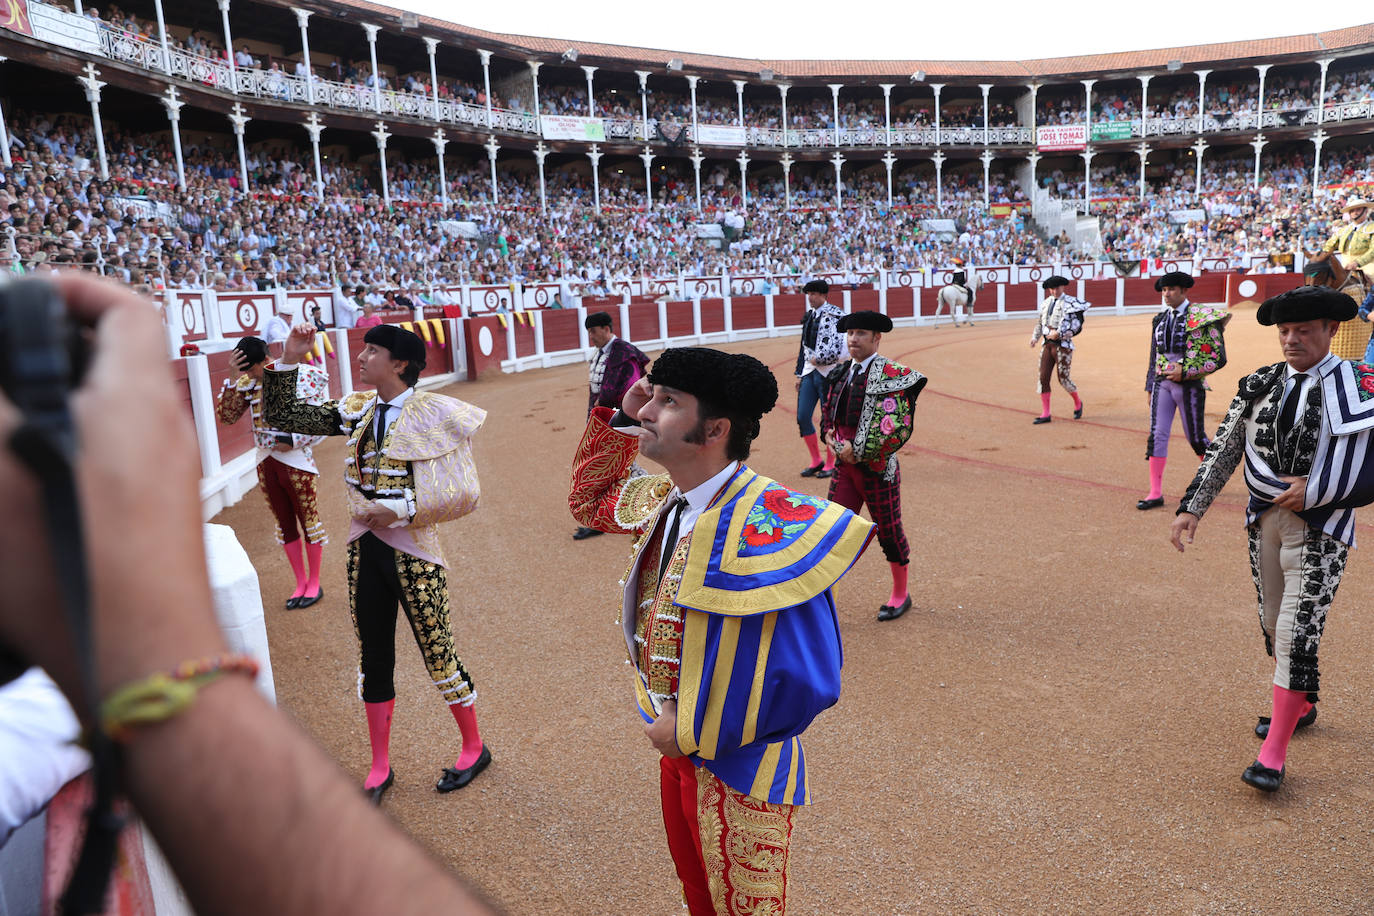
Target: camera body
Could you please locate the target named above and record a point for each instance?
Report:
(43, 356)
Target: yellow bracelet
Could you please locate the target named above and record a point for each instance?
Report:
(163, 695)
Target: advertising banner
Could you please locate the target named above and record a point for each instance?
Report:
(1112, 130)
(715, 135)
(1051, 137)
(14, 15)
(62, 28)
(567, 127)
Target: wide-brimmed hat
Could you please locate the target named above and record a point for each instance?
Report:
(1356, 203)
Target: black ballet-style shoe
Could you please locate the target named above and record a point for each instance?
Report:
(581, 534)
(1150, 503)
(305, 601)
(291, 603)
(889, 612)
(1262, 777)
(826, 472)
(1078, 413)
(1262, 729)
(1038, 420)
(375, 793)
(813, 470)
(456, 779)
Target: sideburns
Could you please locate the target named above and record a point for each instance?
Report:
(697, 434)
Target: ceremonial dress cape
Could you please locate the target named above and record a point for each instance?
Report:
(747, 591)
(889, 391)
(425, 458)
(1329, 444)
(622, 367)
(245, 395)
(1071, 310)
(1204, 346)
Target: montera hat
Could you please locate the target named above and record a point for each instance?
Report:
(254, 350)
(1306, 303)
(735, 383)
(1055, 282)
(865, 321)
(399, 342)
(816, 286)
(597, 320)
(1174, 278)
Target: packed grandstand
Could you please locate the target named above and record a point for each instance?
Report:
(250, 145)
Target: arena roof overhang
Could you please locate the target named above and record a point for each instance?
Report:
(1122, 64)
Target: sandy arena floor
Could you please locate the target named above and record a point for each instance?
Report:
(1059, 724)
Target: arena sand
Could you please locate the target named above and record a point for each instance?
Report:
(1058, 725)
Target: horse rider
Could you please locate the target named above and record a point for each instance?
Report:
(959, 277)
(1353, 244)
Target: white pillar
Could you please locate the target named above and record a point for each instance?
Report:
(314, 126)
(835, 102)
(787, 180)
(372, 31)
(1144, 101)
(591, 99)
(1319, 138)
(302, 19)
(541, 153)
(440, 140)
(697, 158)
(1201, 96)
(939, 160)
(1258, 143)
(1034, 124)
(1034, 160)
(739, 100)
(887, 117)
(228, 41)
(534, 66)
(1087, 155)
(492, 146)
(647, 157)
(594, 154)
(1259, 116)
(1087, 110)
(4, 135)
(782, 91)
(987, 158)
(162, 38)
(173, 104)
(92, 85)
(838, 161)
(743, 160)
(937, 87)
(889, 160)
(644, 101)
(692, 87)
(1324, 63)
(432, 46)
(1143, 151)
(239, 120)
(380, 134)
(486, 80)
(1198, 147)
(986, 87)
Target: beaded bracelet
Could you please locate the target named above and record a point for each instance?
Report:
(163, 695)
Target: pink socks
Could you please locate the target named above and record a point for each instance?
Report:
(313, 553)
(829, 459)
(813, 449)
(379, 734)
(1077, 401)
(1157, 463)
(899, 593)
(297, 561)
(466, 717)
(1289, 707)
(1045, 404)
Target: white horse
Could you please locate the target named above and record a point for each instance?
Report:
(957, 300)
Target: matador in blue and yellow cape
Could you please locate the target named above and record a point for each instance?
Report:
(737, 628)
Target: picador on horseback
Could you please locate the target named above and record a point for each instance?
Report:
(1343, 264)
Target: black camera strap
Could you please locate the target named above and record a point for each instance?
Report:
(86, 889)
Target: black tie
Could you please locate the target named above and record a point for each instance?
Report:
(1288, 410)
(381, 424)
(669, 543)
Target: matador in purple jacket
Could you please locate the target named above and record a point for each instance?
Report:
(618, 364)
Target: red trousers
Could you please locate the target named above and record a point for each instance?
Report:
(852, 486)
(290, 494)
(730, 850)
